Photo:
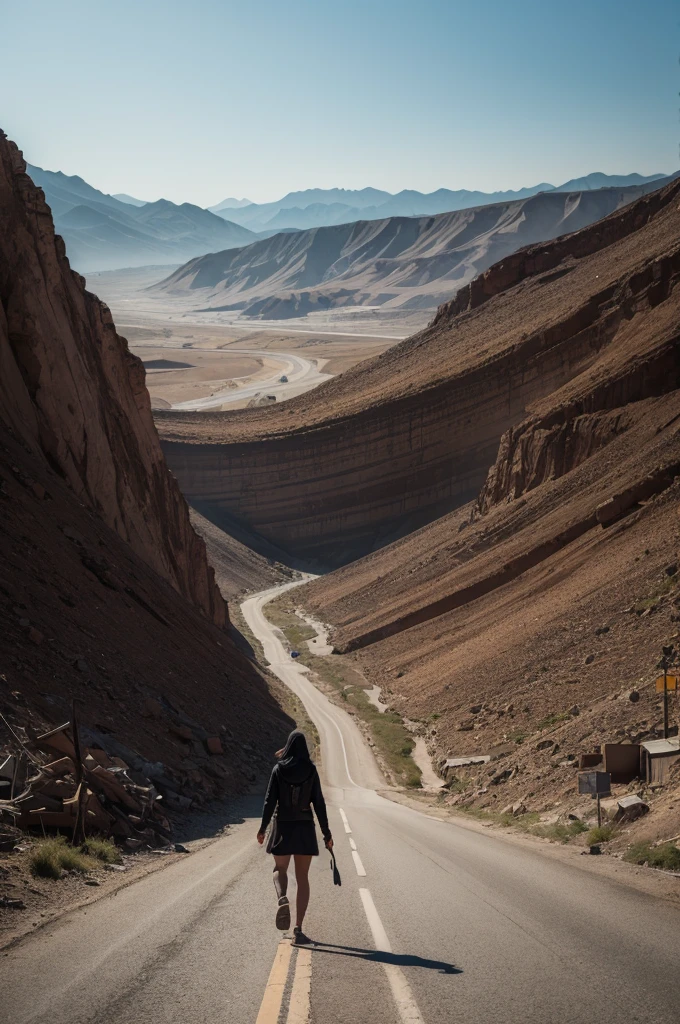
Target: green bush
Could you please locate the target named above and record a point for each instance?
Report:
(600, 834)
(558, 831)
(102, 849)
(666, 856)
(52, 856)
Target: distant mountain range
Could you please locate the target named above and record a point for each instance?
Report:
(102, 232)
(394, 262)
(317, 207)
(107, 232)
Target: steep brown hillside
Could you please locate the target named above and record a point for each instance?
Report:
(528, 617)
(407, 437)
(106, 594)
(393, 262)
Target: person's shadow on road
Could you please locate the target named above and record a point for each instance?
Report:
(378, 956)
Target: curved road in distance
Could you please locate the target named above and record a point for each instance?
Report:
(536, 939)
(302, 376)
(435, 923)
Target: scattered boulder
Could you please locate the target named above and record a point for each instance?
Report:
(152, 708)
(183, 732)
(634, 696)
(590, 658)
(465, 725)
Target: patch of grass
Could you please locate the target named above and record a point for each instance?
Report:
(668, 584)
(102, 849)
(50, 857)
(393, 741)
(555, 719)
(522, 821)
(558, 831)
(645, 603)
(600, 834)
(666, 856)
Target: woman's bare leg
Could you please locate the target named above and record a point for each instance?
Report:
(281, 874)
(302, 865)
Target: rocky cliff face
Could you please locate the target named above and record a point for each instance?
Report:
(405, 438)
(72, 392)
(106, 595)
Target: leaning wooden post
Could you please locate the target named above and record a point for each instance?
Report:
(78, 828)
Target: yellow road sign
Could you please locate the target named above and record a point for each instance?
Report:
(671, 682)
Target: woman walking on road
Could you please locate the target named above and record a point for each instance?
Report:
(294, 787)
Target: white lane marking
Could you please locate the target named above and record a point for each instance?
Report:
(352, 844)
(361, 870)
(298, 1009)
(401, 990)
(345, 822)
(342, 741)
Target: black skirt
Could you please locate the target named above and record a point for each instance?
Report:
(288, 837)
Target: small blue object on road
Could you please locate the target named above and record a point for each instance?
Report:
(295, 654)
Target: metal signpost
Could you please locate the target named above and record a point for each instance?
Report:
(595, 784)
(666, 682)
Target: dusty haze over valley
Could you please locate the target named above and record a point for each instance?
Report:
(339, 513)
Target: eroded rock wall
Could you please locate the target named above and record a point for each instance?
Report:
(335, 487)
(71, 391)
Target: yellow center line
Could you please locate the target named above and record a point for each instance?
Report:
(273, 994)
(298, 1010)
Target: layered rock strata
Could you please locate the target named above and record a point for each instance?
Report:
(403, 439)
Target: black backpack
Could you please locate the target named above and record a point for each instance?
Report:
(295, 797)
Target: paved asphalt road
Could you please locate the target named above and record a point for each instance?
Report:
(434, 923)
(302, 375)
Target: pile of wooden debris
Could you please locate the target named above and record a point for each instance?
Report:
(51, 783)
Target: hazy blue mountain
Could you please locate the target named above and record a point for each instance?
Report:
(325, 207)
(103, 233)
(599, 180)
(230, 204)
(124, 198)
(401, 263)
(313, 216)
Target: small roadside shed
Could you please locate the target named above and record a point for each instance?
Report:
(656, 758)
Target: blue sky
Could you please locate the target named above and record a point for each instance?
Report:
(203, 100)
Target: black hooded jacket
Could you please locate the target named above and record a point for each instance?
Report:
(294, 788)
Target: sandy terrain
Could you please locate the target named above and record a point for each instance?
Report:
(226, 363)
